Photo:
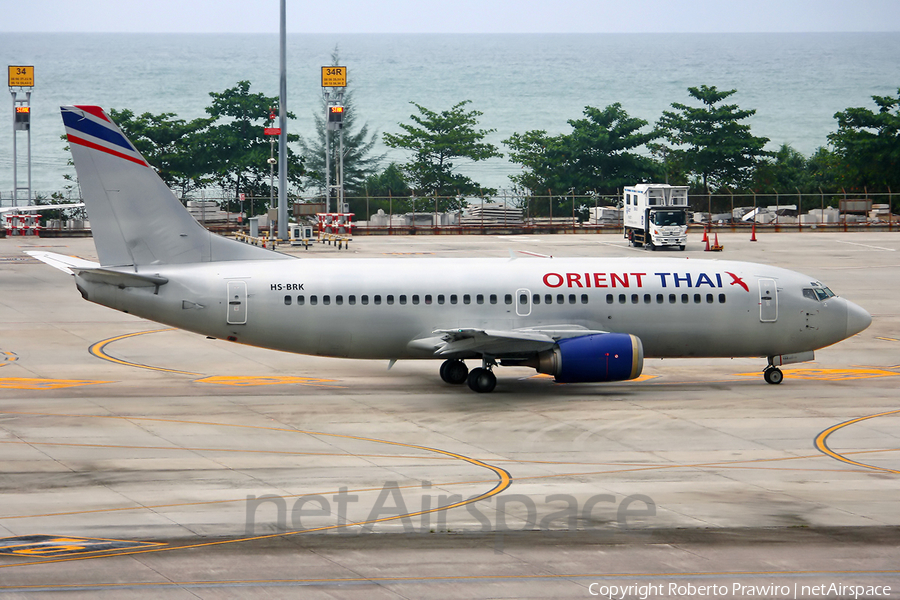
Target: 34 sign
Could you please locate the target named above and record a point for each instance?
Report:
(21, 76)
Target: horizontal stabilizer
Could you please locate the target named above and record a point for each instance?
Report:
(93, 272)
(66, 264)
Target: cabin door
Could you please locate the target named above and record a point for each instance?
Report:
(237, 303)
(768, 301)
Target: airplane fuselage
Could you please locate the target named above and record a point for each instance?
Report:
(378, 308)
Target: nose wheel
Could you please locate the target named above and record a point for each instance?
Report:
(773, 375)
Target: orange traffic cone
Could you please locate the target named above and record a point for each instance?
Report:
(705, 233)
(753, 230)
(716, 245)
(707, 245)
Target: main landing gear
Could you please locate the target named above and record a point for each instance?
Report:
(481, 379)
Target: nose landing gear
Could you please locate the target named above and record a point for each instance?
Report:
(773, 375)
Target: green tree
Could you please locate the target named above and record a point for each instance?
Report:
(710, 141)
(786, 170)
(172, 146)
(867, 145)
(436, 140)
(236, 146)
(600, 154)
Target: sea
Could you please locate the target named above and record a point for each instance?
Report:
(796, 82)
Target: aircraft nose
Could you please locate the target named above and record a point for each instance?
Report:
(857, 319)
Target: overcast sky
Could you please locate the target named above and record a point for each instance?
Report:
(450, 16)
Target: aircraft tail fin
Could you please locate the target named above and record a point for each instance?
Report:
(135, 219)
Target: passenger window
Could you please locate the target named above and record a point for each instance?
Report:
(301, 300)
(536, 299)
(660, 299)
(685, 299)
(338, 300)
(634, 298)
(622, 299)
(427, 298)
(507, 299)
(415, 299)
(571, 298)
(440, 298)
(390, 298)
(364, 299)
(610, 298)
(287, 300)
(584, 298)
(351, 299)
(453, 299)
(721, 298)
(313, 300)
(377, 299)
(402, 298)
(479, 299)
(672, 299)
(709, 299)
(467, 299)
(326, 300)
(548, 299)
(493, 298)
(647, 299)
(523, 298)
(696, 298)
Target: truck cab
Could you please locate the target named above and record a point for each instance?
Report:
(655, 215)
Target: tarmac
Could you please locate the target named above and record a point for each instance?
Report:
(138, 461)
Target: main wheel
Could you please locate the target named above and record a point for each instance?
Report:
(481, 380)
(773, 375)
(454, 371)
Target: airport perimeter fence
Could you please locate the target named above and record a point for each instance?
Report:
(511, 213)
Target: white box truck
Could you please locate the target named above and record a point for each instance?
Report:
(656, 214)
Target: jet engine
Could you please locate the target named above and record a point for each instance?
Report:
(598, 357)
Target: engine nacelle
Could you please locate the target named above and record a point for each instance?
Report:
(591, 358)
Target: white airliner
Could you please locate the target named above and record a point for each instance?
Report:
(577, 319)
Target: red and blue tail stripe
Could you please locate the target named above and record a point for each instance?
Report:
(90, 127)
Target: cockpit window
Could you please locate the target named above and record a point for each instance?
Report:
(817, 292)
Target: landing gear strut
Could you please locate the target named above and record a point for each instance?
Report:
(454, 371)
(773, 375)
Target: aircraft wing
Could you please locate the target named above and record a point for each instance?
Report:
(516, 342)
(94, 272)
